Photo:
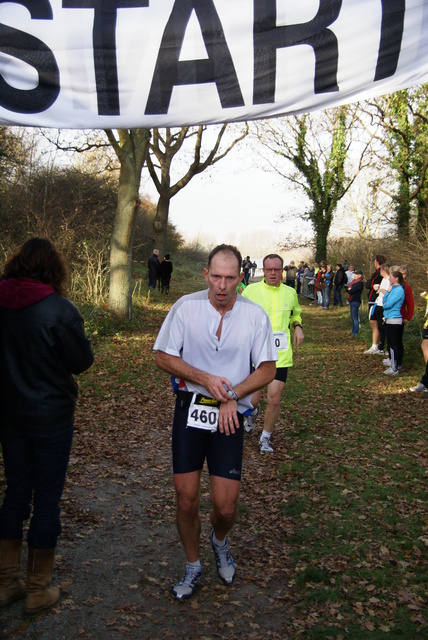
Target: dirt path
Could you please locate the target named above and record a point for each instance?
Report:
(119, 553)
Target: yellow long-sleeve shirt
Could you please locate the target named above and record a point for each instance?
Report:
(282, 306)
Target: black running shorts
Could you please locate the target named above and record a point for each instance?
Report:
(281, 374)
(190, 446)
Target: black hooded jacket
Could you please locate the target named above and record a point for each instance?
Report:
(42, 344)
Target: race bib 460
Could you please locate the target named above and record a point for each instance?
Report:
(203, 413)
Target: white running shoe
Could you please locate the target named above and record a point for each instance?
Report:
(373, 349)
(250, 421)
(419, 388)
(188, 583)
(265, 445)
(391, 372)
(387, 362)
(225, 566)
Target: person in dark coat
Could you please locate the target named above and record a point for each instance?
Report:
(340, 280)
(354, 297)
(165, 271)
(42, 344)
(153, 265)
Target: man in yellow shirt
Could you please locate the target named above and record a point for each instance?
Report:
(282, 306)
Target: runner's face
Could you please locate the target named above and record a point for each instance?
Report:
(222, 278)
(272, 269)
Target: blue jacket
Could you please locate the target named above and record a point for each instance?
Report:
(392, 302)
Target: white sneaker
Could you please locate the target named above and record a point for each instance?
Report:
(373, 349)
(265, 445)
(250, 421)
(188, 583)
(225, 566)
(420, 388)
(387, 362)
(380, 352)
(391, 372)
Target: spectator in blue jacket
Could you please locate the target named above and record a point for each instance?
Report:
(392, 303)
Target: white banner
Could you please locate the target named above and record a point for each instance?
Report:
(145, 63)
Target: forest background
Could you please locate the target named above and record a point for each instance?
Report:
(357, 176)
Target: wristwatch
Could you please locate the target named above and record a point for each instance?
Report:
(297, 325)
(232, 394)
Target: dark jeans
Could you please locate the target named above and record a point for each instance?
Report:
(35, 468)
(337, 296)
(326, 297)
(354, 309)
(152, 283)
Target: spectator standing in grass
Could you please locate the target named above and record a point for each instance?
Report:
(153, 265)
(339, 282)
(354, 291)
(290, 274)
(392, 302)
(381, 289)
(374, 279)
(165, 272)
(327, 287)
(247, 265)
(319, 281)
(308, 281)
(349, 277)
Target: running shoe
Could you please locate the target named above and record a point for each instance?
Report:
(372, 350)
(225, 566)
(387, 362)
(380, 352)
(391, 372)
(419, 388)
(250, 421)
(188, 583)
(265, 445)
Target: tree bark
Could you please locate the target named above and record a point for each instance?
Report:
(160, 224)
(130, 148)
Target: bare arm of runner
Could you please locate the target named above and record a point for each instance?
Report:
(260, 377)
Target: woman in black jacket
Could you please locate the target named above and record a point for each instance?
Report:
(42, 344)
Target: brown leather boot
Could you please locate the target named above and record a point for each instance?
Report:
(11, 586)
(40, 595)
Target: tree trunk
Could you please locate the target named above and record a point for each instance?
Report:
(160, 224)
(131, 154)
(321, 246)
(321, 226)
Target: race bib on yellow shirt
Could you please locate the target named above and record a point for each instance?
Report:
(281, 342)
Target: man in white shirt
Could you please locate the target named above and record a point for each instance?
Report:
(207, 343)
(350, 274)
